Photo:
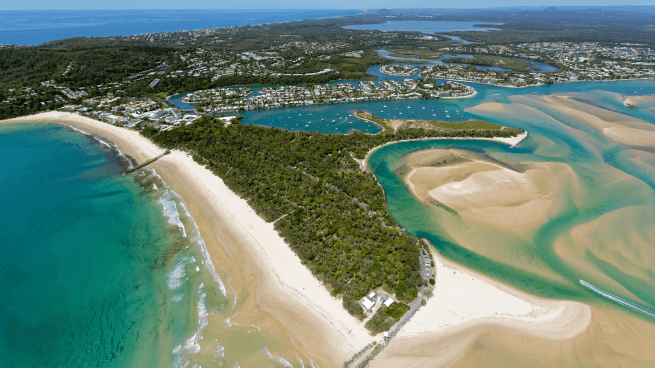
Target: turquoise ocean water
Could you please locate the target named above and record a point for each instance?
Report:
(98, 269)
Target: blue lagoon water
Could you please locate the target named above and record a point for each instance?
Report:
(19, 27)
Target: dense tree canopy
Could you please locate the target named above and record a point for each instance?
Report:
(330, 212)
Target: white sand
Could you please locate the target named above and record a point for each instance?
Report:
(512, 142)
(462, 297)
(465, 305)
(137, 146)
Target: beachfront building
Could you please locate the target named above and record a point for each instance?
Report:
(368, 304)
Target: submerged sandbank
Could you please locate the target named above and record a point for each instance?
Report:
(618, 127)
(486, 192)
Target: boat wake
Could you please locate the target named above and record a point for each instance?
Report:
(623, 302)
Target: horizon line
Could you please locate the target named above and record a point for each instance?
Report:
(362, 9)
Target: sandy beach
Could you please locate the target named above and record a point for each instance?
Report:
(249, 249)
(512, 142)
(288, 301)
(466, 304)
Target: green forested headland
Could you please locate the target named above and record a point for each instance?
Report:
(330, 211)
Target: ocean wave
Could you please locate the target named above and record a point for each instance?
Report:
(191, 344)
(218, 349)
(177, 213)
(176, 276)
(276, 358)
(109, 144)
(170, 210)
(197, 239)
(203, 315)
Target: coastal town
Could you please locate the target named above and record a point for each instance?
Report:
(574, 62)
(113, 102)
(222, 100)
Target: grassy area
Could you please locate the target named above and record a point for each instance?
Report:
(437, 125)
(374, 119)
(490, 60)
(462, 125)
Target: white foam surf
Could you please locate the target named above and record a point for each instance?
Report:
(177, 276)
(108, 143)
(623, 302)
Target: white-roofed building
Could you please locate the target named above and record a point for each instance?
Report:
(371, 295)
(388, 302)
(368, 303)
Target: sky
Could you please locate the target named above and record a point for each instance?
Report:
(294, 4)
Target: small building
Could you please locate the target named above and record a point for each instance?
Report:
(371, 295)
(388, 302)
(368, 303)
(386, 334)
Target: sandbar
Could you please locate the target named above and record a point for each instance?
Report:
(464, 305)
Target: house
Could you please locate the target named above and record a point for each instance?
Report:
(388, 302)
(368, 304)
